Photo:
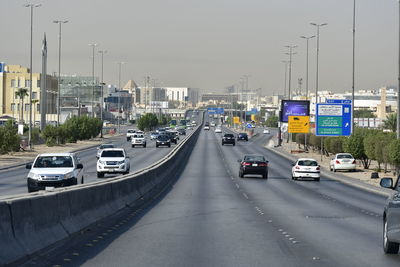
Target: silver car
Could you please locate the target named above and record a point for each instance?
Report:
(391, 217)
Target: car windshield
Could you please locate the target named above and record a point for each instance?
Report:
(254, 158)
(243, 134)
(106, 146)
(228, 135)
(113, 154)
(54, 162)
(163, 138)
(307, 163)
(131, 131)
(344, 156)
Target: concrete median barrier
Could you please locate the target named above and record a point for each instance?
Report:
(33, 222)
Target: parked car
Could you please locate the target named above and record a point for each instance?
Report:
(342, 161)
(218, 129)
(113, 160)
(163, 140)
(306, 168)
(54, 170)
(101, 147)
(391, 217)
(138, 140)
(253, 164)
(129, 134)
(266, 131)
(228, 139)
(242, 136)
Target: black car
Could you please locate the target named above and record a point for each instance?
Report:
(391, 217)
(253, 164)
(228, 139)
(242, 136)
(163, 140)
(182, 131)
(173, 136)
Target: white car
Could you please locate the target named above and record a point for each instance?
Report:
(54, 170)
(101, 147)
(218, 129)
(206, 127)
(306, 168)
(138, 139)
(342, 161)
(194, 123)
(265, 131)
(113, 160)
(212, 124)
(129, 134)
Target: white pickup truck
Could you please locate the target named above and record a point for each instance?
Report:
(138, 139)
(129, 134)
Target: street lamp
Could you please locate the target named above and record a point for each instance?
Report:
(398, 89)
(59, 22)
(290, 53)
(119, 92)
(102, 52)
(93, 47)
(31, 6)
(316, 84)
(354, 64)
(284, 90)
(307, 39)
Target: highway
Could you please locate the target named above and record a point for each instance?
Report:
(13, 181)
(210, 217)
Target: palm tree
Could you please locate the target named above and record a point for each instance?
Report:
(34, 101)
(21, 93)
(390, 122)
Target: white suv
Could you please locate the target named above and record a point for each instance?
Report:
(138, 139)
(113, 160)
(129, 134)
(54, 170)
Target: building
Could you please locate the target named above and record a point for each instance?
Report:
(14, 77)
(149, 94)
(134, 90)
(220, 98)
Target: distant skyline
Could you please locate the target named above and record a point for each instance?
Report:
(209, 44)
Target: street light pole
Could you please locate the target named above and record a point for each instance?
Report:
(354, 64)
(31, 6)
(284, 90)
(398, 88)
(119, 92)
(102, 52)
(290, 53)
(317, 81)
(307, 39)
(59, 22)
(93, 48)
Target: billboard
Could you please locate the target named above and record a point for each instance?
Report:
(236, 120)
(294, 108)
(159, 104)
(299, 124)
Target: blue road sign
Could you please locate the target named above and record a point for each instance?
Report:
(334, 119)
(338, 101)
(220, 111)
(213, 111)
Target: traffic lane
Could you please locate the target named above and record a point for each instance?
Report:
(314, 218)
(203, 221)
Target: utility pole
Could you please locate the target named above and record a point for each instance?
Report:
(290, 53)
(119, 94)
(102, 52)
(93, 48)
(284, 90)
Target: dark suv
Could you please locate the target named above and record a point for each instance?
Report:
(243, 136)
(391, 217)
(228, 139)
(163, 140)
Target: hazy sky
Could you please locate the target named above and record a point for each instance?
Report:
(209, 44)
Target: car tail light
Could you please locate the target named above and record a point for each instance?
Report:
(354, 162)
(318, 169)
(297, 168)
(263, 164)
(337, 162)
(246, 164)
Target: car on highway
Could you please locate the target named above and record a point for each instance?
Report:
(129, 133)
(206, 127)
(212, 124)
(342, 161)
(194, 123)
(154, 135)
(253, 164)
(138, 139)
(54, 170)
(163, 140)
(218, 129)
(113, 160)
(181, 131)
(391, 217)
(306, 168)
(228, 139)
(174, 136)
(242, 137)
(266, 131)
(101, 147)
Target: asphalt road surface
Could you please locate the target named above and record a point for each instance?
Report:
(13, 181)
(211, 217)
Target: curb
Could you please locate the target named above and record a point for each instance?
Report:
(352, 182)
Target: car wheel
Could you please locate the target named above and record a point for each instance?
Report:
(334, 170)
(100, 175)
(233, 144)
(241, 175)
(82, 180)
(127, 139)
(156, 145)
(265, 175)
(388, 246)
(330, 168)
(222, 143)
(316, 179)
(169, 145)
(31, 189)
(133, 146)
(144, 145)
(74, 181)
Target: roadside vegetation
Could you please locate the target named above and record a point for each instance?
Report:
(149, 121)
